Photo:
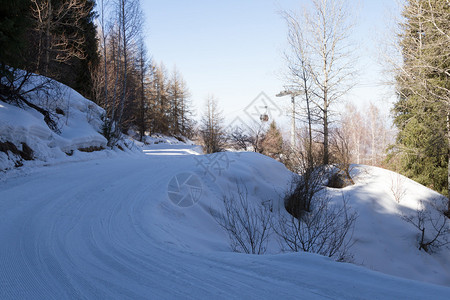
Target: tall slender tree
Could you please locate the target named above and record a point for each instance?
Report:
(212, 129)
(319, 40)
(129, 16)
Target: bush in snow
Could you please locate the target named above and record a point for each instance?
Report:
(326, 229)
(303, 189)
(248, 225)
(341, 156)
(433, 225)
(313, 223)
(397, 187)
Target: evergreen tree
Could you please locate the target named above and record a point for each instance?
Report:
(13, 26)
(272, 143)
(423, 83)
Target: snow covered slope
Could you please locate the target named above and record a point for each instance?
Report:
(116, 229)
(78, 121)
(384, 241)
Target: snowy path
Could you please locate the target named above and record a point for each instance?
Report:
(105, 229)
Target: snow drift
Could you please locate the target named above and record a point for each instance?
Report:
(78, 123)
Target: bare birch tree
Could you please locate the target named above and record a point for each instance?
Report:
(299, 75)
(323, 55)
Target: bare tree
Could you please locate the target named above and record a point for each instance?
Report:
(142, 67)
(340, 148)
(103, 45)
(353, 127)
(299, 75)
(323, 57)
(238, 138)
(257, 131)
(367, 134)
(186, 121)
(248, 225)
(304, 188)
(160, 105)
(129, 16)
(212, 130)
(58, 27)
(179, 106)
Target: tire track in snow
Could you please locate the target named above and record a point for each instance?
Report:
(93, 237)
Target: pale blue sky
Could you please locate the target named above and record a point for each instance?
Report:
(233, 49)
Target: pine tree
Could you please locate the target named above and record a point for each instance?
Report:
(13, 26)
(422, 112)
(272, 143)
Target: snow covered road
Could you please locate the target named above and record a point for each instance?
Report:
(106, 229)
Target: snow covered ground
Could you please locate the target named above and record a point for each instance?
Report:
(112, 229)
(78, 125)
(137, 224)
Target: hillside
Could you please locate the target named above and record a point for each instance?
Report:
(108, 228)
(23, 129)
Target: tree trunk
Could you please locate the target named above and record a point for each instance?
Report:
(142, 112)
(310, 158)
(47, 37)
(448, 161)
(125, 66)
(325, 137)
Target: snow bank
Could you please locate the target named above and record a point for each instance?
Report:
(383, 240)
(78, 122)
(158, 138)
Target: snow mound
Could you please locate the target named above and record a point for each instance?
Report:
(384, 241)
(120, 228)
(78, 123)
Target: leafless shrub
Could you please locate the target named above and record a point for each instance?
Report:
(326, 229)
(433, 226)
(303, 189)
(303, 157)
(25, 89)
(257, 131)
(238, 138)
(340, 150)
(248, 225)
(308, 181)
(397, 187)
